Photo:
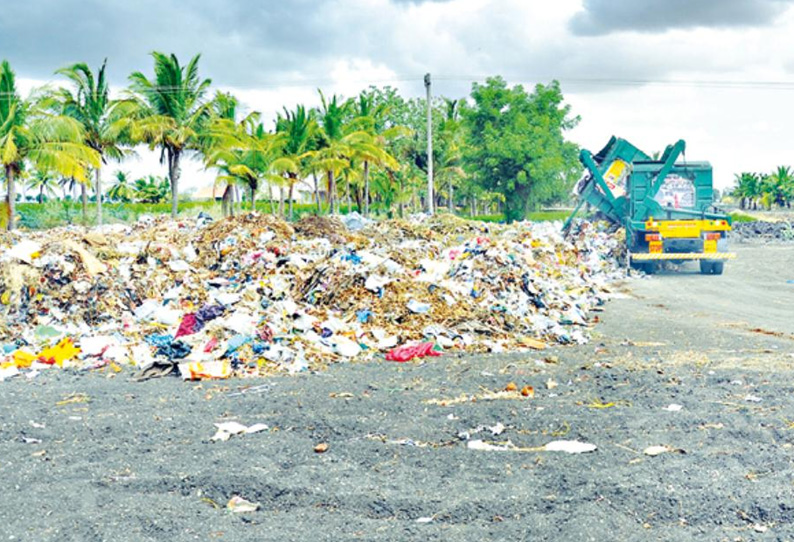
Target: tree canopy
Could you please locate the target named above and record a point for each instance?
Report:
(516, 145)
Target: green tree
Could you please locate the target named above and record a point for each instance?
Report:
(151, 189)
(747, 189)
(780, 186)
(371, 143)
(89, 104)
(244, 152)
(332, 156)
(169, 112)
(68, 185)
(44, 182)
(122, 189)
(516, 145)
(28, 131)
(298, 129)
(409, 146)
(449, 170)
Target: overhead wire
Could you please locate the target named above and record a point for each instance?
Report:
(579, 82)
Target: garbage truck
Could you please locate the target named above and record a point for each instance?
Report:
(665, 205)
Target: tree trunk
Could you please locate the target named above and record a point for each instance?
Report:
(349, 201)
(366, 188)
(281, 201)
(253, 198)
(41, 195)
(173, 173)
(359, 204)
(291, 190)
(84, 201)
(400, 205)
(331, 193)
(272, 205)
(11, 197)
(451, 197)
(227, 203)
(98, 188)
(316, 194)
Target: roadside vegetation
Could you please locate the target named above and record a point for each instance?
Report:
(499, 154)
(754, 191)
(500, 151)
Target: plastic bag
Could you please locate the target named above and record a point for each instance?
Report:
(410, 351)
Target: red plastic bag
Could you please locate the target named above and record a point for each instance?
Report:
(188, 326)
(410, 351)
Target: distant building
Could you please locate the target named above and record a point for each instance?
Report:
(209, 193)
(303, 192)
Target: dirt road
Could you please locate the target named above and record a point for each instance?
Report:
(95, 457)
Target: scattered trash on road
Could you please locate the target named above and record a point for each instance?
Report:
(239, 505)
(228, 429)
(567, 446)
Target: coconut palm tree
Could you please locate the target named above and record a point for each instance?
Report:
(333, 153)
(88, 102)
(450, 156)
(298, 128)
(246, 154)
(43, 182)
(169, 112)
(151, 189)
(780, 186)
(68, 185)
(28, 131)
(747, 189)
(122, 189)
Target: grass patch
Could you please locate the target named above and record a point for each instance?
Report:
(738, 216)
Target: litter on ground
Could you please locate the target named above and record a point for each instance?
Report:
(253, 295)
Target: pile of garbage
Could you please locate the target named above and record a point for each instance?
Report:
(252, 295)
(764, 231)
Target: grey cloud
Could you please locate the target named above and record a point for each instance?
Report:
(607, 16)
(256, 44)
(243, 42)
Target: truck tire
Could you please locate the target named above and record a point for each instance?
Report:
(711, 268)
(650, 268)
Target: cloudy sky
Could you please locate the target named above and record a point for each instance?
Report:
(717, 73)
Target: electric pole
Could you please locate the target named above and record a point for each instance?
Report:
(430, 193)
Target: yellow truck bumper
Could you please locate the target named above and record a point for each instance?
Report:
(644, 257)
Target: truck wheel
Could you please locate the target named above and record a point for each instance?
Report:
(706, 267)
(717, 267)
(650, 267)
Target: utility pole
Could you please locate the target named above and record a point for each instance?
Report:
(430, 193)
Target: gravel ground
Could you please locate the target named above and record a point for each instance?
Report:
(99, 457)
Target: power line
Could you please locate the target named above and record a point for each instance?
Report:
(597, 82)
(637, 82)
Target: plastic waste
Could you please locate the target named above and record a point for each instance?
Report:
(345, 347)
(302, 293)
(205, 371)
(418, 307)
(411, 351)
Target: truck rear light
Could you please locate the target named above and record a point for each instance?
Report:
(712, 236)
(653, 237)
